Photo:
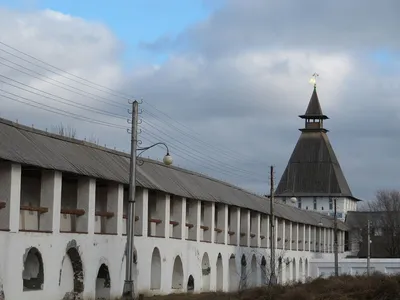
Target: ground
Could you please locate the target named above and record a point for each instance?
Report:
(375, 287)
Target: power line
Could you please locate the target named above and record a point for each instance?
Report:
(225, 150)
(65, 101)
(60, 111)
(89, 95)
(109, 91)
(197, 151)
(221, 151)
(200, 142)
(200, 162)
(114, 92)
(82, 106)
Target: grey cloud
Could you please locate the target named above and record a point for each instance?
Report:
(247, 107)
(328, 26)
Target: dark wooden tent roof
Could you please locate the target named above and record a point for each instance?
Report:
(313, 169)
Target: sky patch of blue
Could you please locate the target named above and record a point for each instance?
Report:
(382, 57)
(133, 21)
(385, 61)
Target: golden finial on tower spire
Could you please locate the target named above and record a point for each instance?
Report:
(313, 79)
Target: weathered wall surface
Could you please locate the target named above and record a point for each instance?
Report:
(63, 273)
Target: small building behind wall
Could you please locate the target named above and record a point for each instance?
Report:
(71, 209)
(383, 228)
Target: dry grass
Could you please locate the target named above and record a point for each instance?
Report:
(375, 287)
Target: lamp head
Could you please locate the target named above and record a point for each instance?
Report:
(168, 159)
(293, 200)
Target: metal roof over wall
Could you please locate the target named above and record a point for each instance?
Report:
(33, 147)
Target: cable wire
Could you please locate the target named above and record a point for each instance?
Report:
(60, 111)
(197, 151)
(226, 152)
(201, 162)
(108, 90)
(111, 91)
(73, 103)
(200, 142)
(90, 95)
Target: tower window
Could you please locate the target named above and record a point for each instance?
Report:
(315, 203)
(330, 204)
(299, 203)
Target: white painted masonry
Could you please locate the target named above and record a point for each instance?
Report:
(325, 205)
(354, 266)
(63, 234)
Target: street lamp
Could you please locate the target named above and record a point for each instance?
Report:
(129, 292)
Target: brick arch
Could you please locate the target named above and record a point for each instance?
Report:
(77, 266)
(72, 253)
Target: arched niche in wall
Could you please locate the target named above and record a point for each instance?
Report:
(233, 274)
(33, 272)
(254, 277)
(155, 272)
(263, 271)
(220, 273)
(190, 284)
(301, 270)
(294, 277)
(243, 273)
(205, 273)
(177, 274)
(306, 275)
(103, 283)
(279, 273)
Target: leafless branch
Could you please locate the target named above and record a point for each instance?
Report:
(63, 130)
(386, 207)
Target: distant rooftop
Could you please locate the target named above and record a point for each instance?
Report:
(313, 169)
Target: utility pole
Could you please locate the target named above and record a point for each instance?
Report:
(273, 279)
(369, 247)
(129, 292)
(335, 242)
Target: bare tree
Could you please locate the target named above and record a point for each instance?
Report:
(93, 139)
(246, 272)
(67, 131)
(387, 220)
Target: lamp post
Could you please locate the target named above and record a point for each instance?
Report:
(335, 238)
(129, 292)
(273, 279)
(369, 247)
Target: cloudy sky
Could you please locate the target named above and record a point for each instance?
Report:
(222, 81)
